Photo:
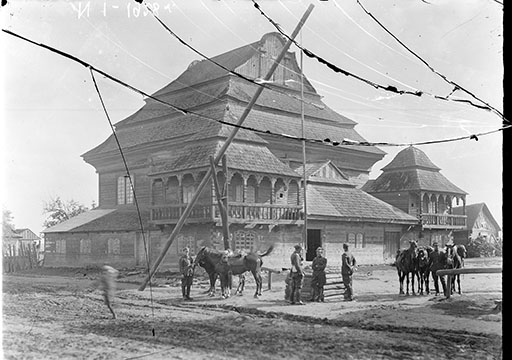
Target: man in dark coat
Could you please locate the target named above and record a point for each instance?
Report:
(187, 272)
(437, 261)
(297, 275)
(318, 280)
(348, 264)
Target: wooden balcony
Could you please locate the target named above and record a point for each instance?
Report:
(237, 212)
(442, 221)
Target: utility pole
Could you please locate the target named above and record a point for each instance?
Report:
(222, 151)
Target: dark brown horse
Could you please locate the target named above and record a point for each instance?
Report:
(455, 255)
(406, 263)
(423, 267)
(217, 262)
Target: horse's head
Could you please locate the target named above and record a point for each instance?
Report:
(450, 254)
(201, 256)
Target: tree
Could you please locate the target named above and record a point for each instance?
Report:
(59, 211)
(7, 221)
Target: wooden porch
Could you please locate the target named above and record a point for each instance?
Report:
(443, 221)
(237, 213)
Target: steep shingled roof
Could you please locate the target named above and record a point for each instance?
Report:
(410, 157)
(354, 204)
(411, 170)
(204, 70)
(240, 156)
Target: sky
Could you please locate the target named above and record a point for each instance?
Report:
(51, 113)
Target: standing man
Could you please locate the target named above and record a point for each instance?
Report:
(297, 275)
(348, 264)
(437, 261)
(187, 272)
(318, 280)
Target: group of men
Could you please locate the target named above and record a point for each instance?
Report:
(318, 280)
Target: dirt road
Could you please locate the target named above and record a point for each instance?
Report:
(59, 315)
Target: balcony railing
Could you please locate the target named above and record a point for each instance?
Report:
(237, 212)
(444, 221)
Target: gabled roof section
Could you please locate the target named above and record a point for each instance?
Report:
(27, 234)
(353, 204)
(323, 171)
(410, 157)
(240, 156)
(412, 170)
(102, 220)
(472, 212)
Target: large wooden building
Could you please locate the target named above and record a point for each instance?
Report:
(168, 154)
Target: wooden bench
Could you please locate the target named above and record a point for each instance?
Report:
(452, 272)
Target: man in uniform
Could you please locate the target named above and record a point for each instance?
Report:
(187, 272)
(318, 280)
(437, 261)
(297, 275)
(348, 264)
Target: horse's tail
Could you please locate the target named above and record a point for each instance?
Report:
(267, 252)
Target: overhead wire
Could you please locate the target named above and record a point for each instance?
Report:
(129, 176)
(267, 132)
(390, 88)
(455, 85)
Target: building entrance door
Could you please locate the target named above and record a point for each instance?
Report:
(391, 245)
(314, 240)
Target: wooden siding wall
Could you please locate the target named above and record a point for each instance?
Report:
(99, 250)
(399, 200)
(108, 189)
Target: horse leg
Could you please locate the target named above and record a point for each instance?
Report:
(413, 275)
(401, 281)
(427, 275)
(458, 282)
(407, 288)
(257, 278)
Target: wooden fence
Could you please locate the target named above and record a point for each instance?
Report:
(27, 257)
(452, 272)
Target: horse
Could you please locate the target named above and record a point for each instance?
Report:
(423, 268)
(406, 263)
(454, 260)
(218, 262)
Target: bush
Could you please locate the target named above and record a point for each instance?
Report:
(480, 247)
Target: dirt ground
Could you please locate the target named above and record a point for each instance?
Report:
(58, 314)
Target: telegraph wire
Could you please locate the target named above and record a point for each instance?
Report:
(332, 66)
(131, 182)
(455, 85)
(267, 132)
(390, 88)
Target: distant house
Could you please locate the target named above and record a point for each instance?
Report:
(412, 183)
(480, 223)
(11, 241)
(14, 239)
